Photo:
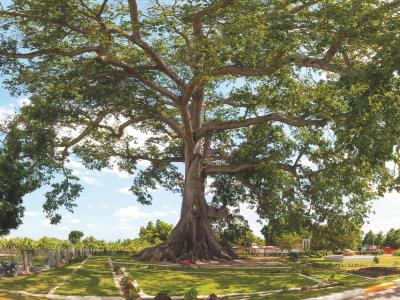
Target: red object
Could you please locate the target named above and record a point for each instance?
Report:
(388, 250)
(184, 263)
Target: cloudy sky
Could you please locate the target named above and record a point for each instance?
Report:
(107, 210)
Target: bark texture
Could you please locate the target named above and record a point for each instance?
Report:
(193, 237)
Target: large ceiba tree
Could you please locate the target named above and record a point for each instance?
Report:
(291, 106)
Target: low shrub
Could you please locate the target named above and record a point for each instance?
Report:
(118, 270)
(133, 293)
(127, 281)
(285, 289)
(162, 296)
(306, 272)
(190, 294)
(213, 297)
(294, 256)
(397, 252)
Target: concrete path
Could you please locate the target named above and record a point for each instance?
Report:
(389, 294)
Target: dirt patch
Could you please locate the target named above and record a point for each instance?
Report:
(375, 271)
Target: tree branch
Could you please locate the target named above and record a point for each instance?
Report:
(228, 169)
(137, 39)
(272, 117)
(172, 123)
(84, 133)
(59, 22)
(53, 51)
(199, 16)
(148, 158)
(297, 59)
(132, 72)
(102, 7)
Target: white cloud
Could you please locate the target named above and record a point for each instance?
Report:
(90, 206)
(124, 226)
(95, 226)
(91, 181)
(63, 228)
(173, 212)
(251, 216)
(75, 221)
(114, 170)
(46, 223)
(6, 112)
(24, 102)
(132, 212)
(159, 213)
(31, 213)
(125, 190)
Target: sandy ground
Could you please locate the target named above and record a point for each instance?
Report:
(390, 294)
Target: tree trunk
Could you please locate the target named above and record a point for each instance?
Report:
(193, 237)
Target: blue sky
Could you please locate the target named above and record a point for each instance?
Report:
(107, 210)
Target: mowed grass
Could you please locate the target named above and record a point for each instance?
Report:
(175, 281)
(40, 283)
(384, 261)
(94, 279)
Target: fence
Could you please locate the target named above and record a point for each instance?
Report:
(31, 261)
(106, 252)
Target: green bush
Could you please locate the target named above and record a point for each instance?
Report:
(190, 294)
(307, 272)
(126, 282)
(397, 252)
(376, 260)
(294, 256)
(285, 289)
(117, 270)
(133, 293)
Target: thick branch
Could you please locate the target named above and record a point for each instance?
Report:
(134, 15)
(217, 213)
(132, 72)
(228, 169)
(298, 59)
(172, 123)
(148, 158)
(137, 39)
(121, 128)
(272, 117)
(84, 133)
(53, 51)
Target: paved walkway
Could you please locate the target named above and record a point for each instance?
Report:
(390, 294)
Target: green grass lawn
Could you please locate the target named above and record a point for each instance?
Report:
(94, 278)
(40, 283)
(175, 281)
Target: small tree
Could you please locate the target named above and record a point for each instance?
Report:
(75, 236)
(288, 241)
(155, 234)
(369, 239)
(380, 239)
(236, 230)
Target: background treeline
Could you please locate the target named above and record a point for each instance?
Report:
(149, 235)
(390, 239)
